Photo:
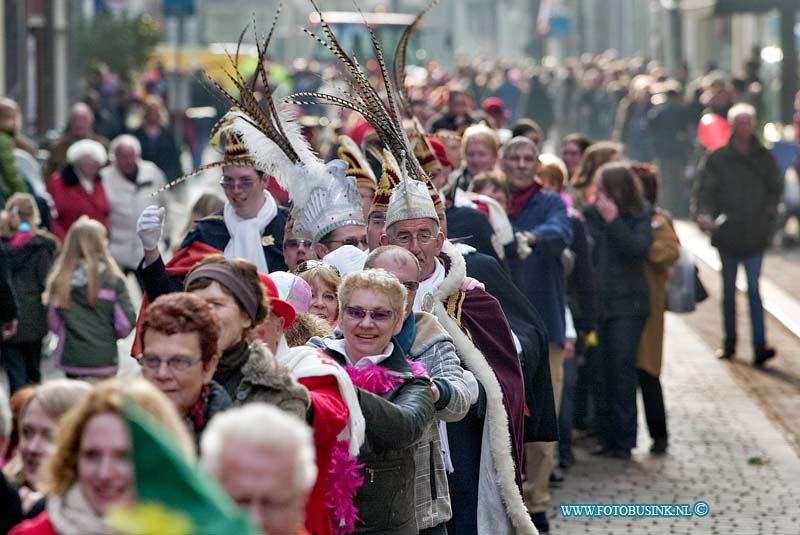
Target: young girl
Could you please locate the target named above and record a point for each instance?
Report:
(89, 306)
(30, 256)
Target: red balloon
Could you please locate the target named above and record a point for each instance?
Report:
(713, 131)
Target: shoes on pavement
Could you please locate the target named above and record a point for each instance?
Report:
(625, 455)
(540, 521)
(725, 353)
(556, 476)
(659, 446)
(762, 355)
(600, 449)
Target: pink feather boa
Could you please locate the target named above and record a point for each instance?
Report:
(344, 473)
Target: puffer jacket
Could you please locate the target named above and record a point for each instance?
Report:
(395, 422)
(29, 263)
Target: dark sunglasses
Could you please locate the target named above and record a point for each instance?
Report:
(377, 314)
(308, 265)
(294, 244)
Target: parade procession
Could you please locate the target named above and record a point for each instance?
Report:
(381, 286)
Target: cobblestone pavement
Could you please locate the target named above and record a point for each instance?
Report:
(715, 430)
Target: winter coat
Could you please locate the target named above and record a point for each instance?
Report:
(126, 201)
(746, 189)
(395, 421)
(434, 348)
(619, 251)
(162, 150)
(40, 525)
(87, 337)
(29, 265)
(71, 200)
(264, 379)
(542, 274)
(58, 152)
(663, 253)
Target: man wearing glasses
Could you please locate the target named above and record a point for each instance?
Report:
(485, 345)
(180, 356)
(249, 226)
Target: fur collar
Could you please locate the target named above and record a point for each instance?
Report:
(262, 368)
(456, 271)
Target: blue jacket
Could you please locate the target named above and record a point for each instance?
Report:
(542, 275)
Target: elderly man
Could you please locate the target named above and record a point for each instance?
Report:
(541, 217)
(180, 356)
(736, 201)
(130, 183)
(425, 340)
(485, 344)
(264, 459)
(80, 126)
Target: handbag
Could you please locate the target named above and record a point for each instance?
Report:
(681, 287)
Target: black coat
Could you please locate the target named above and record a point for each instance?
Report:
(746, 188)
(394, 424)
(8, 303)
(525, 322)
(29, 266)
(162, 150)
(619, 251)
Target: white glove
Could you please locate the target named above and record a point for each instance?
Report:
(148, 227)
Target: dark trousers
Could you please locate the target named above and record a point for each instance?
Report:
(23, 364)
(752, 268)
(582, 409)
(616, 378)
(465, 451)
(653, 400)
(567, 413)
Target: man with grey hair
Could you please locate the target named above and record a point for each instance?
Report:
(424, 340)
(264, 459)
(80, 126)
(130, 183)
(736, 202)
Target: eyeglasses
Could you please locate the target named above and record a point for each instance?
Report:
(352, 240)
(377, 314)
(294, 244)
(243, 186)
(411, 286)
(405, 239)
(308, 265)
(176, 364)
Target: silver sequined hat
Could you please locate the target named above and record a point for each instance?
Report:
(410, 200)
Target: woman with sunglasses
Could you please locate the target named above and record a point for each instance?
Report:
(324, 280)
(395, 398)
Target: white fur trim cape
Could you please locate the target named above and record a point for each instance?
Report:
(498, 460)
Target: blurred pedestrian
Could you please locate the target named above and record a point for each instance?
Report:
(670, 127)
(89, 308)
(664, 252)
(31, 252)
(77, 188)
(619, 227)
(735, 201)
(480, 148)
(581, 185)
(130, 183)
(10, 177)
(572, 148)
(157, 138)
(458, 115)
(264, 459)
(80, 126)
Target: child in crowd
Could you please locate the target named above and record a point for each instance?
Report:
(89, 306)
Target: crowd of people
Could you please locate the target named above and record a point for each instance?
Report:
(402, 338)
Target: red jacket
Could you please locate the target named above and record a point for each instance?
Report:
(72, 201)
(330, 417)
(39, 525)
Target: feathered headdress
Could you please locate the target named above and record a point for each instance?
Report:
(264, 134)
(357, 165)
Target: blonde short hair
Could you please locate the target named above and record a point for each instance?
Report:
(482, 134)
(378, 280)
(61, 469)
(553, 170)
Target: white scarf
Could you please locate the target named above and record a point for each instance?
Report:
(245, 234)
(71, 514)
(429, 287)
(305, 361)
